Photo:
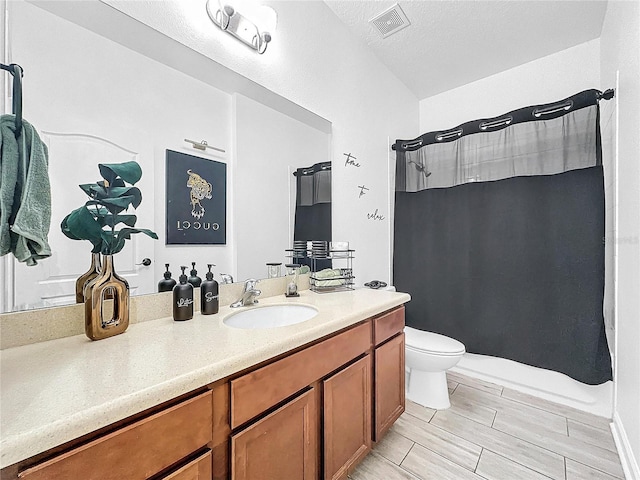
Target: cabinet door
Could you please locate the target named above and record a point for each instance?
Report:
(197, 469)
(283, 445)
(347, 418)
(389, 384)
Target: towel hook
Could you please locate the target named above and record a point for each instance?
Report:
(17, 72)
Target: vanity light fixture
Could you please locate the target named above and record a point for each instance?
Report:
(203, 145)
(254, 27)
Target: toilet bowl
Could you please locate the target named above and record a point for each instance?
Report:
(428, 356)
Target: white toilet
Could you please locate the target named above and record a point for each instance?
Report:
(428, 356)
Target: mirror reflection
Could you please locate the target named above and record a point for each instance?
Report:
(94, 101)
(312, 222)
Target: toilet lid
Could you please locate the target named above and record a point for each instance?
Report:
(430, 342)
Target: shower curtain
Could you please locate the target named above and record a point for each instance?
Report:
(499, 227)
(313, 208)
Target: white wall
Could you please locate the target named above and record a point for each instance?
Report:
(268, 147)
(619, 48)
(79, 82)
(315, 62)
(544, 80)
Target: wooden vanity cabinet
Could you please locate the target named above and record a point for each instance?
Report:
(307, 415)
(140, 450)
(284, 444)
(355, 378)
(197, 469)
(334, 378)
(389, 370)
(388, 385)
(256, 392)
(347, 418)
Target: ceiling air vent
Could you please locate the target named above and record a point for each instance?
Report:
(390, 21)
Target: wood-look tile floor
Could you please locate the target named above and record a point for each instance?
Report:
(493, 433)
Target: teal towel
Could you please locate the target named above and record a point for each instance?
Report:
(25, 193)
(329, 278)
(9, 161)
(328, 273)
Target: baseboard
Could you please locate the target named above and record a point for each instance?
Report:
(628, 460)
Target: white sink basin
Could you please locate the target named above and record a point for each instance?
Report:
(270, 316)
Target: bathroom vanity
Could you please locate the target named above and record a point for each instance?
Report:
(202, 400)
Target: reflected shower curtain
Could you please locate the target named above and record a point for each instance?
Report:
(499, 227)
(313, 208)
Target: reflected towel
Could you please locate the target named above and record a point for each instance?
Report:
(329, 277)
(25, 193)
(9, 160)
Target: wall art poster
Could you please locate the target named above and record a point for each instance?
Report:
(196, 200)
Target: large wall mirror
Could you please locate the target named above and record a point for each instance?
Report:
(106, 93)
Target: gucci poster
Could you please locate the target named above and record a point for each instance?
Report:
(196, 200)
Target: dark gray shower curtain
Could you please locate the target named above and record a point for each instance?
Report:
(499, 236)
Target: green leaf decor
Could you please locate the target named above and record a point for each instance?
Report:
(101, 218)
(129, 172)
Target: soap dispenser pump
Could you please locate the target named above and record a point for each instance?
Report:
(209, 294)
(194, 279)
(166, 284)
(183, 299)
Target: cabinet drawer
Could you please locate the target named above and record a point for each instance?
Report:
(261, 389)
(136, 451)
(197, 469)
(387, 325)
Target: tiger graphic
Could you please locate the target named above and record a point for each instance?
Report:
(200, 189)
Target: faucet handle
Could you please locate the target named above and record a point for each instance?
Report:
(250, 284)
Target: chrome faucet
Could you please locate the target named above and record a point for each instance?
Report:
(226, 278)
(249, 294)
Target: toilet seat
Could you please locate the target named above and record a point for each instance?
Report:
(432, 343)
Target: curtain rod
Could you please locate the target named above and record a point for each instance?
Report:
(550, 110)
(9, 68)
(315, 168)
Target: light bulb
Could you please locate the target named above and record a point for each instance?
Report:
(264, 17)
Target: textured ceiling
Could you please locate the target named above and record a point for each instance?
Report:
(452, 43)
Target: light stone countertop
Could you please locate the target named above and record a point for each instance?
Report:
(52, 392)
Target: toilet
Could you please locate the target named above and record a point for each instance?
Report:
(428, 356)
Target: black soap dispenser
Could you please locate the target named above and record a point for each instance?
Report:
(166, 284)
(194, 279)
(183, 299)
(209, 294)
